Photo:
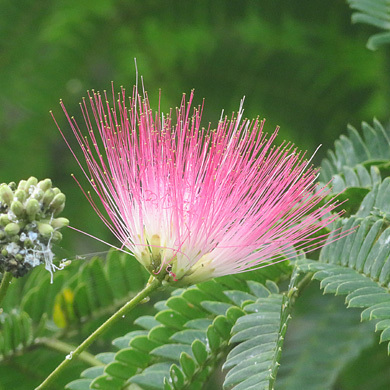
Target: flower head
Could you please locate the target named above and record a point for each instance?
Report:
(28, 226)
(192, 203)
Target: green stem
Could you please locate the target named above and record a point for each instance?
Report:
(60, 346)
(5, 282)
(149, 288)
(303, 283)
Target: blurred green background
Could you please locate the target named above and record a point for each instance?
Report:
(301, 65)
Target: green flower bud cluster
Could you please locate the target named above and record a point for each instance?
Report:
(29, 224)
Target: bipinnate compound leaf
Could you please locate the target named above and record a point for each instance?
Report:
(16, 333)
(322, 339)
(376, 202)
(35, 301)
(358, 266)
(254, 361)
(179, 348)
(92, 293)
(82, 290)
(351, 161)
(375, 13)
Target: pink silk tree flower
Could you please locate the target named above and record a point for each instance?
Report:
(192, 203)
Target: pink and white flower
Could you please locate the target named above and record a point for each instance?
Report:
(193, 203)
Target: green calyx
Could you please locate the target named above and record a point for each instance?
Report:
(32, 208)
(17, 208)
(57, 202)
(59, 223)
(45, 229)
(6, 194)
(29, 224)
(44, 185)
(48, 196)
(12, 229)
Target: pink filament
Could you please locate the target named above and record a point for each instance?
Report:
(227, 192)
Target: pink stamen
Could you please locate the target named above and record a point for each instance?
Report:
(227, 193)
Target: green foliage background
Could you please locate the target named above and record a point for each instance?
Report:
(301, 65)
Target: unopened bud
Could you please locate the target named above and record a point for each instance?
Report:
(6, 194)
(12, 185)
(28, 224)
(12, 229)
(21, 195)
(48, 197)
(32, 207)
(58, 201)
(59, 210)
(22, 185)
(37, 194)
(59, 223)
(17, 208)
(44, 184)
(57, 236)
(45, 229)
(32, 181)
(4, 220)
